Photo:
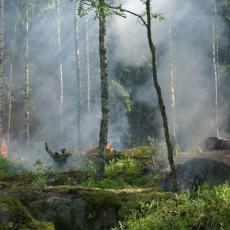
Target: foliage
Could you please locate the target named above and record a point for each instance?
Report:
(119, 174)
(10, 167)
(118, 93)
(15, 216)
(210, 210)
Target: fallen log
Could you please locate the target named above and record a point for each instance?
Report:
(215, 143)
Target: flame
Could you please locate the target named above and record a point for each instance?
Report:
(109, 148)
(4, 149)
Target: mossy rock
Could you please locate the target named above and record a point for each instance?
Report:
(98, 201)
(14, 216)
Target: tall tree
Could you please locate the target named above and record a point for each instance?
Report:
(159, 94)
(215, 52)
(27, 79)
(100, 7)
(148, 24)
(1, 65)
(104, 89)
(173, 84)
(10, 84)
(88, 87)
(60, 67)
(78, 76)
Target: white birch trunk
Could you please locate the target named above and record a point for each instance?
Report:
(78, 77)
(173, 86)
(215, 66)
(1, 64)
(27, 82)
(88, 68)
(60, 64)
(10, 85)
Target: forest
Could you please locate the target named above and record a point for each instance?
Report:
(114, 114)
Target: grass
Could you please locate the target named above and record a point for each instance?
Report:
(120, 174)
(210, 210)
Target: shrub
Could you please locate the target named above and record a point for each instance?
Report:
(210, 210)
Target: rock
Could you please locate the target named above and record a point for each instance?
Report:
(71, 208)
(14, 216)
(211, 171)
(215, 143)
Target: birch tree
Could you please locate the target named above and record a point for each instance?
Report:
(147, 22)
(1, 65)
(215, 55)
(27, 79)
(173, 84)
(60, 66)
(88, 85)
(10, 84)
(77, 67)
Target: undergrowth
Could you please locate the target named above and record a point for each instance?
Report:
(120, 174)
(210, 210)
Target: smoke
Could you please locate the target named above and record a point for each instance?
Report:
(191, 23)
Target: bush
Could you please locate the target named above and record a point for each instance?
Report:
(10, 167)
(210, 210)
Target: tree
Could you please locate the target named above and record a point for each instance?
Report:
(60, 65)
(215, 52)
(27, 80)
(10, 84)
(148, 24)
(78, 77)
(1, 64)
(101, 12)
(104, 89)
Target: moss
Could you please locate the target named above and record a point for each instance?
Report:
(14, 216)
(98, 200)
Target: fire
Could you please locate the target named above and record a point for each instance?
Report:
(4, 149)
(109, 148)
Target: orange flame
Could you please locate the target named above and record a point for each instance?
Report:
(4, 149)
(109, 148)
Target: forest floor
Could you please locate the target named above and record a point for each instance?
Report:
(134, 194)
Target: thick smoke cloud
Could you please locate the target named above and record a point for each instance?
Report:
(191, 23)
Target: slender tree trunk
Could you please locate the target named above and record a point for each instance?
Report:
(1, 66)
(60, 67)
(104, 91)
(173, 86)
(78, 77)
(88, 67)
(215, 66)
(10, 84)
(27, 82)
(160, 98)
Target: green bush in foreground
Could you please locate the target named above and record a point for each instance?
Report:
(209, 211)
(119, 174)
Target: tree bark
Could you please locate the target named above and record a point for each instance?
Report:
(160, 98)
(1, 65)
(88, 67)
(104, 90)
(215, 54)
(60, 66)
(173, 85)
(10, 84)
(78, 77)
(27, 82)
